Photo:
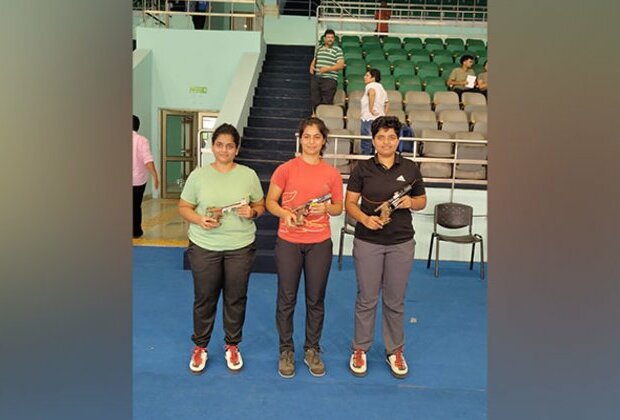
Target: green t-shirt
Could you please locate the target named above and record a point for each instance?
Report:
(327, 57)
(206, 187)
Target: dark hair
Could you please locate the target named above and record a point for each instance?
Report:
(466, 57)
(329, 32)
(386, 122)
(226, 129)
(136, 123)
(306, 122)
(376, 74)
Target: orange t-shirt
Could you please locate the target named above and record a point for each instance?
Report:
(301, 182)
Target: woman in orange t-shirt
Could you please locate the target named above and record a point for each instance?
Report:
(304, 241)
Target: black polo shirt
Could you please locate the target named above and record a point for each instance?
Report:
(377, 184)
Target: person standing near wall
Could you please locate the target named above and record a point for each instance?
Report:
(202, 7)
(304, 241)
(221, 201)
(383, 13)
(142, 165)
(327, 62)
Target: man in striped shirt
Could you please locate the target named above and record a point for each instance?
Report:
(327, 62)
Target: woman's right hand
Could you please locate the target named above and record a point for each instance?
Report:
(290, 219)
(372, 222)
(207, 222)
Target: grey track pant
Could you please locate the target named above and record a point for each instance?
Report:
(383, 268)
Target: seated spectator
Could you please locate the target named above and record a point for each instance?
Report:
(481, 81)
(457, 81)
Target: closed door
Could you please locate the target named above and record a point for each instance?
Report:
(178, 150)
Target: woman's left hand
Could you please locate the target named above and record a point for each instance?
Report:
(245, 211)
(405, 202)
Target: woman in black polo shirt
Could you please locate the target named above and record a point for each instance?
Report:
(382, 251)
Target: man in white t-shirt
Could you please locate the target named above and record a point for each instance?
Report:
(374, 104)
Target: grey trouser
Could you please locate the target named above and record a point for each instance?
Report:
(386, 268)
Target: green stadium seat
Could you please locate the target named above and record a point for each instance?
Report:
(404, 70)
(428, 70)
(382, 66)
(458, 54)
(402, 62)
(412, 43)
(420, 56)
(370, 49)
(406, 80)
(352, 49)
(432, 89)
(355, 74)
(477, 50)
(355, 62)
(396, 55)
(454, 44)
(433, 41)
(391, 42)
(350, 38)
(447, 68)
(370, 39)
(375, 56)
(410, 88)
(352, 86)
(431, 48)
(433, 81)
(474, 42)
(440, 60)
(388, 82)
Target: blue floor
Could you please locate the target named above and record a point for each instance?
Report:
(445, 348)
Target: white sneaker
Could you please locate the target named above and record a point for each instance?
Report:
(398, 365)
(357, 364)
(233, 357)
(198, 360)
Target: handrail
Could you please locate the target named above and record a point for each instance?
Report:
(414, 156)
(331, 13)
(152, 8)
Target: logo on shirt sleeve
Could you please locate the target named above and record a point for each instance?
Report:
(401, 178)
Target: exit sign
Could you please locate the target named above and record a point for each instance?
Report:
(198, 89)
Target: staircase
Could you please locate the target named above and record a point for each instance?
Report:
(281, 100)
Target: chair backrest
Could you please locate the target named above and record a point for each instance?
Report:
(340, 97)
(445, 98)
(420, 115)
(413, 97)
(452, 115)
(453, 216)
(473, 98)
(395, 98)
(329, 111)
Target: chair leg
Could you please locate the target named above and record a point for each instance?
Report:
(437, 259)
(481, 259)
(340, 248)
(430, 251)
(471, 261)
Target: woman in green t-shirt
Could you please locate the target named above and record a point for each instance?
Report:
(221, 201)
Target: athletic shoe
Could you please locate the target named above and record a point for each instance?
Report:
(314, 362)
(199, 360)
(398, 365)
(233, 358)
(357, 364)
(286, 365)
